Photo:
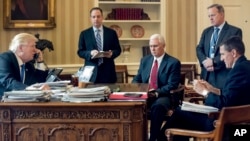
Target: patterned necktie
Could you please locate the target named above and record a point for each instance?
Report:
(22, 72)
(213, 42)
(99, 45)
(153, 76)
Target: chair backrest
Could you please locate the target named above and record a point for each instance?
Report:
(227, 116)
(190, 71)
(231, 115)
(122, 74)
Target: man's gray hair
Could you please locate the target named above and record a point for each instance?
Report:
(159, 37)
(217, 6)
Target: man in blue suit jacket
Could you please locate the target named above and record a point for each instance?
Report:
(168, 78)
(22, 50)
(213, 69)
(87, 48)
(234, 93)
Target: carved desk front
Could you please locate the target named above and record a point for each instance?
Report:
(58, 121)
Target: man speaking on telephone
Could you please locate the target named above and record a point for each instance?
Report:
(17, 70)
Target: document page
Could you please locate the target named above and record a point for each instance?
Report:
(187, 106)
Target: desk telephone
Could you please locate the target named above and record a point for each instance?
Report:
(53, 75)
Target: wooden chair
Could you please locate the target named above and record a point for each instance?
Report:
(176, 98)
(122, 73)
(228, 115)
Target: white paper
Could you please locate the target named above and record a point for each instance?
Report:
(86, 74)
(187, 106)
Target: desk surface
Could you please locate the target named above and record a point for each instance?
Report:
(67, 104)
(57, 121)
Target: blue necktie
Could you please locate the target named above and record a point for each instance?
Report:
(99, 45)
(22, 72)
(213, 42)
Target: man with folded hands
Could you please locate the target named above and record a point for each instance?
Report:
(234, 93)
(17, 70)
(163, 73)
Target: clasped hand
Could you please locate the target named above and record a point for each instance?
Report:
(208, 64)
(151, 93)
(202, 87)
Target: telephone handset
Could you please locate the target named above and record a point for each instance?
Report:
(36, 56)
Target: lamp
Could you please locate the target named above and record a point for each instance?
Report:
(126, 52)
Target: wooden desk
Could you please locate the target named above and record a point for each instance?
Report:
(58, 121)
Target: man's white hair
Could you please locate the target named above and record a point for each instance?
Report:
(21, 39)
(159, 37)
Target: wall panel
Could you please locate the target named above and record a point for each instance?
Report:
(72, 16)
(181, 29)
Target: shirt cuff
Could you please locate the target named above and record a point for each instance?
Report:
(41, 66)
(156, 94)
(204, 93)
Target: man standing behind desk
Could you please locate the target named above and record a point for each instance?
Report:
(16, 69)
(213, 69)
(167, 78)
(95, 39)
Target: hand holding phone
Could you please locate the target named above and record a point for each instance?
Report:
(36, 56)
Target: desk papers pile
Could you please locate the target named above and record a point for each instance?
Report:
(187, 106)
(25, 96)
(53, 85)
(79, 95)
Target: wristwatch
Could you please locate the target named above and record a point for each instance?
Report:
(156, 94)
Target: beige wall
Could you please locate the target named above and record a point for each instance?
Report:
(72, 16)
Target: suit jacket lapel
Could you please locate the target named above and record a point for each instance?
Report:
(92, 37)
(149, 66)
(163, 64)
(222, 35)
(208, 40)
(13, 57)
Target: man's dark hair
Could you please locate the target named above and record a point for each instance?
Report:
(217, 6)
(95, 8)
(235, 42)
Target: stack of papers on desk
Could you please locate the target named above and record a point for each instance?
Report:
(25, 96)
(52, 85)
(128, 96)
(85, 94)
(187, 106)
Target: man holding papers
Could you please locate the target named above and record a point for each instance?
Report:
(99, 46)
(235, 91)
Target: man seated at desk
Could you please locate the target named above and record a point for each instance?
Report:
(16, 69)
(163, 73)
(234, 93)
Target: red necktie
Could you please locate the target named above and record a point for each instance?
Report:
(153, 76)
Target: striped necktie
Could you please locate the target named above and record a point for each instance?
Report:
(99, 45)
(213, 42)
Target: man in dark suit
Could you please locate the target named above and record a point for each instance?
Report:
(213, 69)
(234, 93)
(22, 50)
(167, 79)
(104, 71)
